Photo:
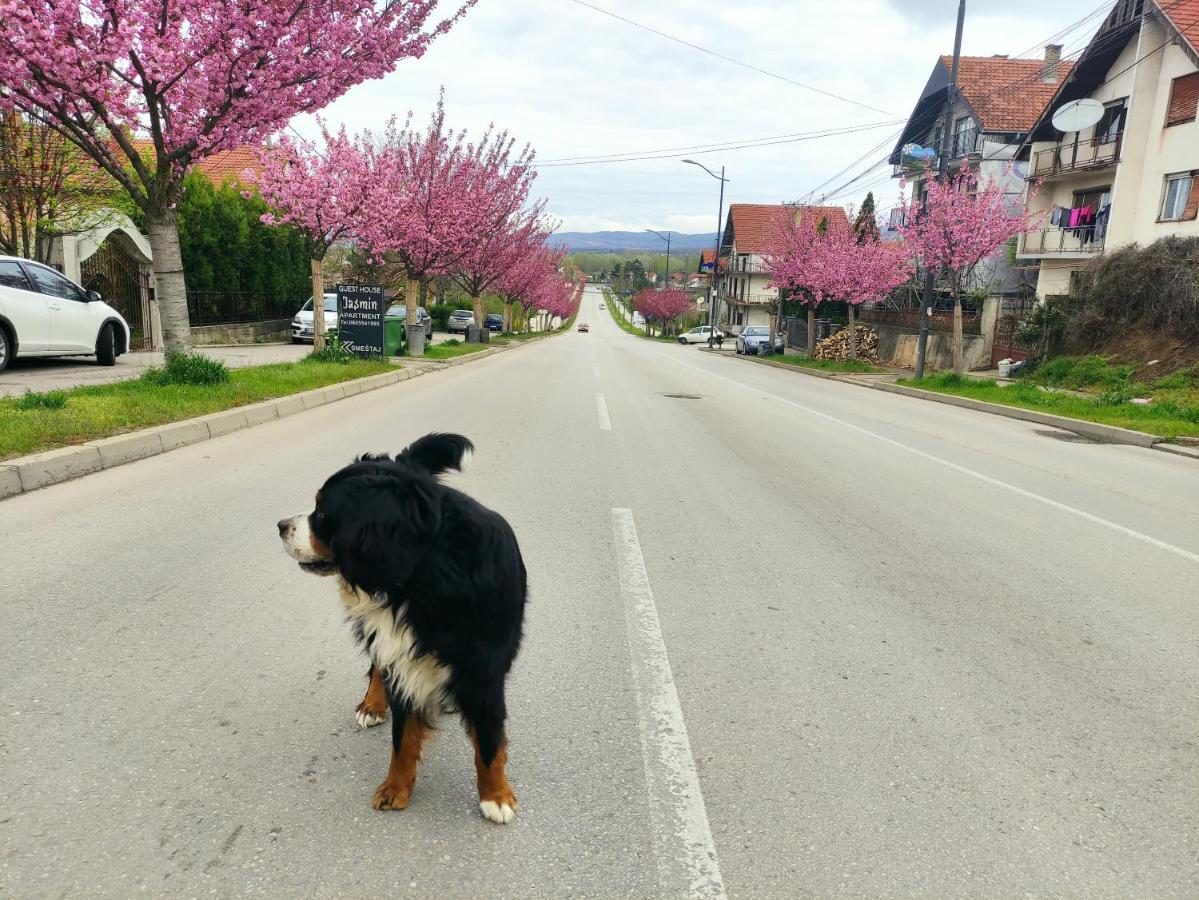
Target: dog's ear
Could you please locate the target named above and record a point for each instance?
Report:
(387, 538)
(436, 453)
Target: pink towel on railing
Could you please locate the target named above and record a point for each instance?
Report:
(1075, 215)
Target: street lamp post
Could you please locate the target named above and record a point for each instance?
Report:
(716, 255)
(665, 237)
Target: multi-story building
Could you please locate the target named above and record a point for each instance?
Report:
(997, 102)
(1132, 176)
(744, 277)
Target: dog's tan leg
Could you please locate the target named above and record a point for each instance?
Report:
(496, 800)
(396, 789)
(373, 708)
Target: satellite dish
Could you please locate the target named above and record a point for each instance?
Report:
(1077, 115)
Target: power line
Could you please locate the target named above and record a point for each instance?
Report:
(807, 136)
(736, 62)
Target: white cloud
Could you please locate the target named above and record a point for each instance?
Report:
(572, 81)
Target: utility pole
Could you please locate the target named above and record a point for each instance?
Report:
(716, 257)
(942, 170)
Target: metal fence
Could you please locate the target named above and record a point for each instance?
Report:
(229, 308)
(909, 319)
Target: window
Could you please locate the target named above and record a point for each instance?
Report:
(1180, 199)
(12, 276)
(50, 282)
(1112, 124)
(963, 136)
(1184, 98)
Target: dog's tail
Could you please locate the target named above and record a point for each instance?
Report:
(437, 453)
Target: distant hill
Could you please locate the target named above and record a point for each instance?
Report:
(617, 241)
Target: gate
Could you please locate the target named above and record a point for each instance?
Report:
(1007, 322)
(120, 280)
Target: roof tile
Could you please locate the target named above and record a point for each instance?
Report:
(752, 221)
(1007, 94)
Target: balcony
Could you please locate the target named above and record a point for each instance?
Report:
(1078, 243)
(1084, 155)
(746, 267)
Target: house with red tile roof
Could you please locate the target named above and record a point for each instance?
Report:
(1133, 173)
(742, 285)
(982, 124)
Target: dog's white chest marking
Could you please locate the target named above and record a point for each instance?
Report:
(421, 680)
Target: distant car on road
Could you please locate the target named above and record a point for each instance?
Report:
(601, 306)
(43, 313)
(493, 322)
(584, 327)
(754, 340)
(460, 321)
(698, 335)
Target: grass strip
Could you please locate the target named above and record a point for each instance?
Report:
(824, 365)
(1163, 417)
(97, 411)
(449, 351)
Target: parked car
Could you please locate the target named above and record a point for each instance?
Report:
(754, 340)
(698, 335)
(400, 311)
(493, 322)
(584, 327)
(301, 325)
(460, 320)
(43, 313)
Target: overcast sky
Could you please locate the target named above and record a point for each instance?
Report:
(575, 82)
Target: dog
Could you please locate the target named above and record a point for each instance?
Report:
(434, 586)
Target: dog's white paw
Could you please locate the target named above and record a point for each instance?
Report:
(367, 720)
(500, 813)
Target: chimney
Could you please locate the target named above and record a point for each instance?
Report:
(1053, 59)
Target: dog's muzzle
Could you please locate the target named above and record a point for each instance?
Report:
(302, 546)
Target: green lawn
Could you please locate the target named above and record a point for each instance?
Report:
(104, 410)
(449, 351)
(621, 322)
(1170, 414)
(825, 365)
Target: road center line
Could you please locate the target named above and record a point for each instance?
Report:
(987, 479)
(595, 371)
(601, 409)
(685, 852)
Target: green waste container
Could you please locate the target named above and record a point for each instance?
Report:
(393, 335)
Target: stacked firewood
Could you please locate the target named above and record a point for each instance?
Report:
(836, 347)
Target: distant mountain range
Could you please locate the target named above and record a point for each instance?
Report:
(619, 241)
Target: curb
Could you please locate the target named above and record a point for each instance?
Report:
(38, 470)
(1106, 434)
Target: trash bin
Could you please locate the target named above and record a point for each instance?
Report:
(393, 335)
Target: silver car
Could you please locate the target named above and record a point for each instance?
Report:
(754, 339)
(460, 320)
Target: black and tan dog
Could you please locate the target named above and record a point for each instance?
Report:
(434, 586)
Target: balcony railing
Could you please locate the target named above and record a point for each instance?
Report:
(1077, 156)
(747, 267)
(1053, 241)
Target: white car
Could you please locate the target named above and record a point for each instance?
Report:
(698, 335)
(301, 325)
(43, 313)
(460, 320)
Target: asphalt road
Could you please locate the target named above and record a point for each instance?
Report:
(787, 637)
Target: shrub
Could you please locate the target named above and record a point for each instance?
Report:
(451, 342)
(1083, 372)
(188, 368)
(1042, 328)
(1155, 286)
(335, 352)
(48, 400)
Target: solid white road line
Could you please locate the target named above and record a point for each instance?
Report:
(686, 855)
(601, 409)
(987, 479)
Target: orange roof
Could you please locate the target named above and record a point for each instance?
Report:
(227, 165)
(1184, 14)
(751, 221)
(1007, 94)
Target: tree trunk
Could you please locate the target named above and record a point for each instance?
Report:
(411, 294)
(170, 289)
(507, 316)
(959, 361)
(477, 302)
(853, 334)
(317, 266)
(811, 330)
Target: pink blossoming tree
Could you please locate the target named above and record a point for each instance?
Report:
(525, 281)
(788, 255)
(661, 306)
(962, 223)
(329, 193)
(148, 88)
(498, 252)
